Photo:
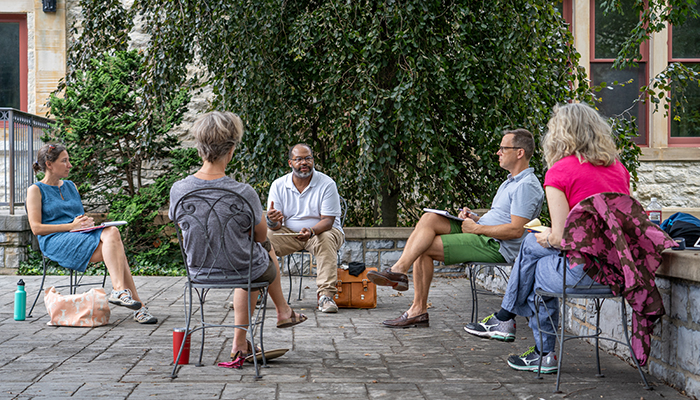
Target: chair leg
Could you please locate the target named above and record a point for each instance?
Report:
(201, 296)
(623, 314)
(539, 329)
(598, 305)
(253, 326)
(173, 375)
(41, 287)
(301, 274)
(562, 339)
(288, 259)
(475, 295)
(260, 320)
(251, 331)
(72, 285)
(104, 275)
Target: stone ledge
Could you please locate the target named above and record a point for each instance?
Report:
(359, 233)
(681, 264)
(670, 154)
(13, 223)
(668, 211)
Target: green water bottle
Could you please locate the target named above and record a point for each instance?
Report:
(20, 302)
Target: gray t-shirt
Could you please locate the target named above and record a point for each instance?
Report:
(519, 195)
(236, 237)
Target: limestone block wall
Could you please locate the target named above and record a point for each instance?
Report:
(376, 247)
(15, 237)
(674, 183)
(675, 353)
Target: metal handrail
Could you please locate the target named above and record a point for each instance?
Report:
(21, 140)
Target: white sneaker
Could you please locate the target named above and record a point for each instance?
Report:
(143, 316)
(327, 305)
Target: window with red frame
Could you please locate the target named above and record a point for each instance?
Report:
(13, 61)
(608, 32)
(685, 119)
(564, 8)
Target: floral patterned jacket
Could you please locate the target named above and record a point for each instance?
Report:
(611, 235)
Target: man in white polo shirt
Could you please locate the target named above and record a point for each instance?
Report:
(306, 202)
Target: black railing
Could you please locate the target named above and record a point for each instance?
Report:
(21, 139)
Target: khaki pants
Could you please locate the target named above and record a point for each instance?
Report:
(323, 246)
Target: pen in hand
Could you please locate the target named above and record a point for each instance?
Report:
(468, 211)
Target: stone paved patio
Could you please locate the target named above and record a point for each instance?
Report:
(342, 356)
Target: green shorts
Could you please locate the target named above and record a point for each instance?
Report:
(465, 247)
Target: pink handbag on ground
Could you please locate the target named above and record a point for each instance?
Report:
(87, 309)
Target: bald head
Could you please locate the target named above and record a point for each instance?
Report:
(299, 145)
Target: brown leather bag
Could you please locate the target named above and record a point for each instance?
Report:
(355, 291)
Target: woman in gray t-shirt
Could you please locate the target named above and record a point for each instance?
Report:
(216, 135)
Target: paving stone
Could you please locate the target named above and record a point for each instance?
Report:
(347, 355)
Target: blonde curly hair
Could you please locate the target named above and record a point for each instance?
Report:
(580, 130)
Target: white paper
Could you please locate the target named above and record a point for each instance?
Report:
(100, 226)
(443, 213)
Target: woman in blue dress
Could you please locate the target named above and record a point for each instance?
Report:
(54, 209)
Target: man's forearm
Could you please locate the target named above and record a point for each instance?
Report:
(325, 224)
(500, 232)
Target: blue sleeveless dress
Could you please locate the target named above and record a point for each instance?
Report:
(69, 249)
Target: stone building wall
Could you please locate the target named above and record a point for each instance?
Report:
(674, 183)
(15, 238)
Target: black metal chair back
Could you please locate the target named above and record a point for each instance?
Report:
(216, 231)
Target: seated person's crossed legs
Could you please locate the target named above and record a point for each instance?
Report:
(435, 238)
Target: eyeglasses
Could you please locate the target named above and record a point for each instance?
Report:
(501, 148)
(300, 159)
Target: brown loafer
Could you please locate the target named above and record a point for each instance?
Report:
(396, 280)
(422, 321)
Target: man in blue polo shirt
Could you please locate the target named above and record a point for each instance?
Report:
(493, 237)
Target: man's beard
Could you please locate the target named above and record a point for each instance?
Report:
(302, 175)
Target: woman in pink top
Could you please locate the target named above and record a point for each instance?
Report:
(582, 158)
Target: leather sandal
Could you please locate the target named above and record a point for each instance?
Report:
(295, 319)
(269, 354)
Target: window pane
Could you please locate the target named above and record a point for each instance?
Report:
(9, 65)
(559, 5)
(612, 29)
(620, 98)
(685, 120)
(686, 37)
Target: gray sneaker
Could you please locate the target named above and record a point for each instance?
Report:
(491, 328)
(327, 305)
(530, 361)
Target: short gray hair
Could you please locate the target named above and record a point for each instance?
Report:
(215, 133)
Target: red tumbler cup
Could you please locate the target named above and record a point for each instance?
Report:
(178, 335)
